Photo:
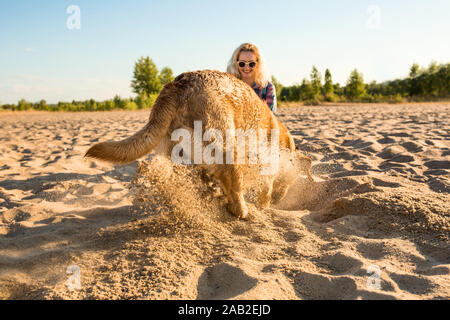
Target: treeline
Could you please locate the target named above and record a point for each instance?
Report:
(140, 102)
(147, 83)
(423, 84)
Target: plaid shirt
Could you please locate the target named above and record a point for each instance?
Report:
(268, 94)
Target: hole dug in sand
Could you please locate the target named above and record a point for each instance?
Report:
(389, 205)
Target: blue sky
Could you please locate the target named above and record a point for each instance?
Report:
(40, 58)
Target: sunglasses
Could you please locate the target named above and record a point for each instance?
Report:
(242, 64)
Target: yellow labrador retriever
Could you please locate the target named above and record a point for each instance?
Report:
(194, 103)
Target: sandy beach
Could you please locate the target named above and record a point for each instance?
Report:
(375, 223)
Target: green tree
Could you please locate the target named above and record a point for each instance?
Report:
(118, 103)
(91, 105)
(145, 77)
(414, 70)
(284, 94)
(328, 86)
(307, 91)
(42, 105)
(130, 104)
(433, 67)
(294, 93)
(315, 81)
(23, 105)
(143, 101)
(444, 76)
(278, 86)
(338, 90)
(109, 104)
(166, 76)
(355, 86)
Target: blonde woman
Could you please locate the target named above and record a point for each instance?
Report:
(248, 65)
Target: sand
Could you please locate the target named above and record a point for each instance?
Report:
(79, 229)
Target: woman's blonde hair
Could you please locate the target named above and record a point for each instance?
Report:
(262, 77)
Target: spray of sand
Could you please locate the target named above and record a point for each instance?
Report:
(180, 196)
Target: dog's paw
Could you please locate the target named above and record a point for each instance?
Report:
(277, 197)
(263, 202)
(240, 211)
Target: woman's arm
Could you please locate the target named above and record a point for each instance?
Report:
(271, 97)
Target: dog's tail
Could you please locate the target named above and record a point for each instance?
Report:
(142, 142)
